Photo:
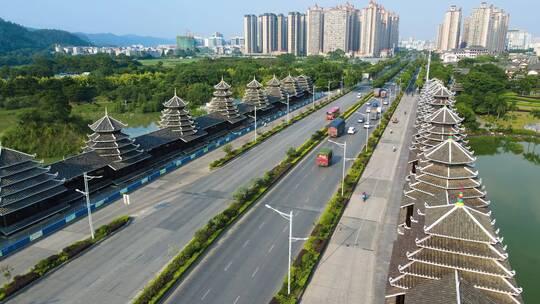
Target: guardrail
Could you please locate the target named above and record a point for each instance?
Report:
(171, 166)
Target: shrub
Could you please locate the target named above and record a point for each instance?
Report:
(228, 149)
(47, 264)
(76, 248)
(20, 282)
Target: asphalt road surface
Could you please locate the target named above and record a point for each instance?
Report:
(249, 263)
(167, 214)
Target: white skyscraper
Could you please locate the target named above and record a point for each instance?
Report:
(487, 27)
(268, 30)
(296, 33)
(250, 34)
(281, 33)
(315, 30)
(449, 31)
(339, 28)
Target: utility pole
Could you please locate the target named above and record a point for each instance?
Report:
(344, 146)
(313, 91)
(86, 193)
(288, 217)
(428, 66)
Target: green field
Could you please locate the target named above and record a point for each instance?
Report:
(167, 62)
(516, 120)
(8, 118)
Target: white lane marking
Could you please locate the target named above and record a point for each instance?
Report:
(255, 272)
(284, 228)
(236, 301)
(205, 294)
(271, 247)
(245, 244)
(260, 226)
(228, 265)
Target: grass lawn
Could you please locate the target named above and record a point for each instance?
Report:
(514, 119)
(8, 118)
(94, 111)
(167, 62)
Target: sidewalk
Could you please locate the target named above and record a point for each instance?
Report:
(354, 266)
(22, 261)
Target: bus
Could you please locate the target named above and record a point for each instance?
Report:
(332, 113)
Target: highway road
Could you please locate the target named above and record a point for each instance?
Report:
(249, 263)
(167, 214)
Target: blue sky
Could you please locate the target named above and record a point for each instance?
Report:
(167, 18)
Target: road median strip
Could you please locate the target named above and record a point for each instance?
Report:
(307, 260)
(234, 153)
(244, 197)
(55, 261)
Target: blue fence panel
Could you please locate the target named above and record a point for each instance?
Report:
(54, 227)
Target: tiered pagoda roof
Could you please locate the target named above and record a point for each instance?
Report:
(222, 103)
(448, 249)
(255, 95)
(305, 83)
(24, 181)
(274, 89)
(110, 143)
(290, 85)
(176, 117)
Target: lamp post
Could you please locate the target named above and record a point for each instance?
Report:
(328, 88)
(288, 217)
(288, 95)
(86, 193)
(313, 91)
(344, 146)
(255, 123)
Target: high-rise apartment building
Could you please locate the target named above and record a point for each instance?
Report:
(369, 32)
(339, 26)
(487, 27)
(315, 30)
(251, 34)
(371, 27)
(449, 31)
(268, 29)
(296, 33)
(281, 33)
(519, 40)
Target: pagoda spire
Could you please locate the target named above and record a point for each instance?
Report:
(222, 102)
(176, 117)
(255, 95)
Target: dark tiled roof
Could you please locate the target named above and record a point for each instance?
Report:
(107, 124)
(9, 157)
(449, 152)
(76, 165)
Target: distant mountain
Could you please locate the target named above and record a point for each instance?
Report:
(15, 37)
(109, 39)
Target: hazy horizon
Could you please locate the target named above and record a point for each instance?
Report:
(166, 19)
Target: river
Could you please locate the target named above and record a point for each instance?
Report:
(510, 170)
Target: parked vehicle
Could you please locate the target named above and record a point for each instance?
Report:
(332, 113)
(336, 128)
(324, 157)
(359, 95)
(351, 130)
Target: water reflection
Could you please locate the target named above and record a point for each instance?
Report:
(140, 130)
(493, 145)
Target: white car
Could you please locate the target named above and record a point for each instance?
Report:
(351, 130)
(368, 103)
(368, 110)
(385, 102)
(361, 120)
(359, 95)
(367, 125)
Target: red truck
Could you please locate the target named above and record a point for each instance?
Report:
(336, 128)
(332, 113)
(324, 157)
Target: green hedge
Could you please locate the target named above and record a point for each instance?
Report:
(244, 197)
(306, 262)
(52, 262)
(230, 154)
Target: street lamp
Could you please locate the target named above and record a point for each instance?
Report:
(255, 123)
(288, 217)
(344, 146)
(313, 92)
(86, 193)
(329, 88)
(288, 95)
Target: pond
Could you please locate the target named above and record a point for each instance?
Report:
(140, 129)
(510, 170)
